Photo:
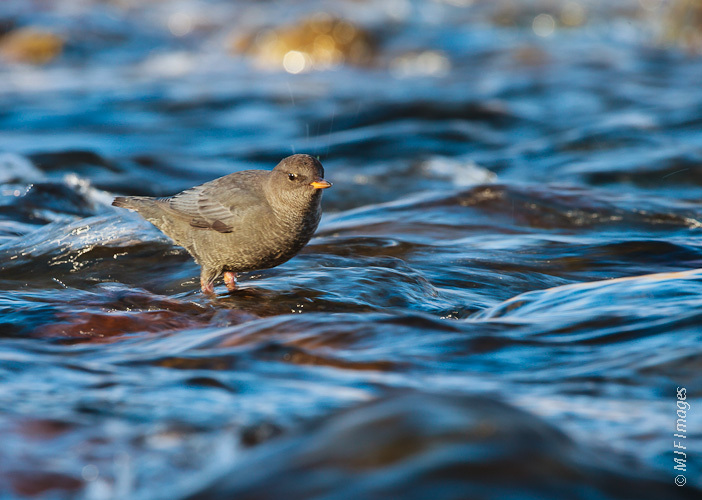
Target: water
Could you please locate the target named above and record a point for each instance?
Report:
(501, 301)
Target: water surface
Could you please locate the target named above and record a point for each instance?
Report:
(500, 302)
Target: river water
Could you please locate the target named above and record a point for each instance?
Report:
(502, 300)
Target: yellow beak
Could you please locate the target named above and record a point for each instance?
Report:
(321, 184)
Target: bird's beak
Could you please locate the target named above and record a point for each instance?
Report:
(321, 184)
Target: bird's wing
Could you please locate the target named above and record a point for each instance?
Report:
(220, 203)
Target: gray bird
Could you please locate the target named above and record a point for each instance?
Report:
(254, 219)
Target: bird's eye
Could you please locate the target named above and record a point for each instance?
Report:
(292, 177)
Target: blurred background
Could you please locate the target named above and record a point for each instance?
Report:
(532, 90)
(502, 299)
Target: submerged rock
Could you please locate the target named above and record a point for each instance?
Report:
(440, 446)
(31, 45)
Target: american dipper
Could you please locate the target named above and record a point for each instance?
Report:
(248, 220)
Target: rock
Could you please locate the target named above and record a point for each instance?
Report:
(30, 45)
(683, 25)
(316, 43)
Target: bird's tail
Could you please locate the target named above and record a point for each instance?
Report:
(132, 202)
(150, 209)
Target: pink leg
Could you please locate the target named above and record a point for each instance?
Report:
(230, 280)
(207, 279)
(207, 287)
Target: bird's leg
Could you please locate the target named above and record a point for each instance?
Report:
(230, 280)
(207, 287)
(207, 277)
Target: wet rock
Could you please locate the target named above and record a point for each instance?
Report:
(683, 25)
(31, 45)
(415, 446)
(115, 324)
(316, 43)
(40, 483)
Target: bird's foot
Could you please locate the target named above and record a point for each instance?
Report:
(207, 287)
(207, 278)
(230, 280)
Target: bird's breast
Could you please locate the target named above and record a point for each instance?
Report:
(267, 244)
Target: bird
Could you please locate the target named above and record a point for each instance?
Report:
(244, 221)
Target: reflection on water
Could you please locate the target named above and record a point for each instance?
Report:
(500, 302)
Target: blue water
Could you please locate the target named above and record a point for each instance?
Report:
(502, 300)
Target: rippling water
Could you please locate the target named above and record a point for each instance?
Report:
(501, 301)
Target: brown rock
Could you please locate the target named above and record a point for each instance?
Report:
(30, 45)
(683, 25)
(316, 43)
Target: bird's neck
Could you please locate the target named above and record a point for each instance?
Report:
(295, 210)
